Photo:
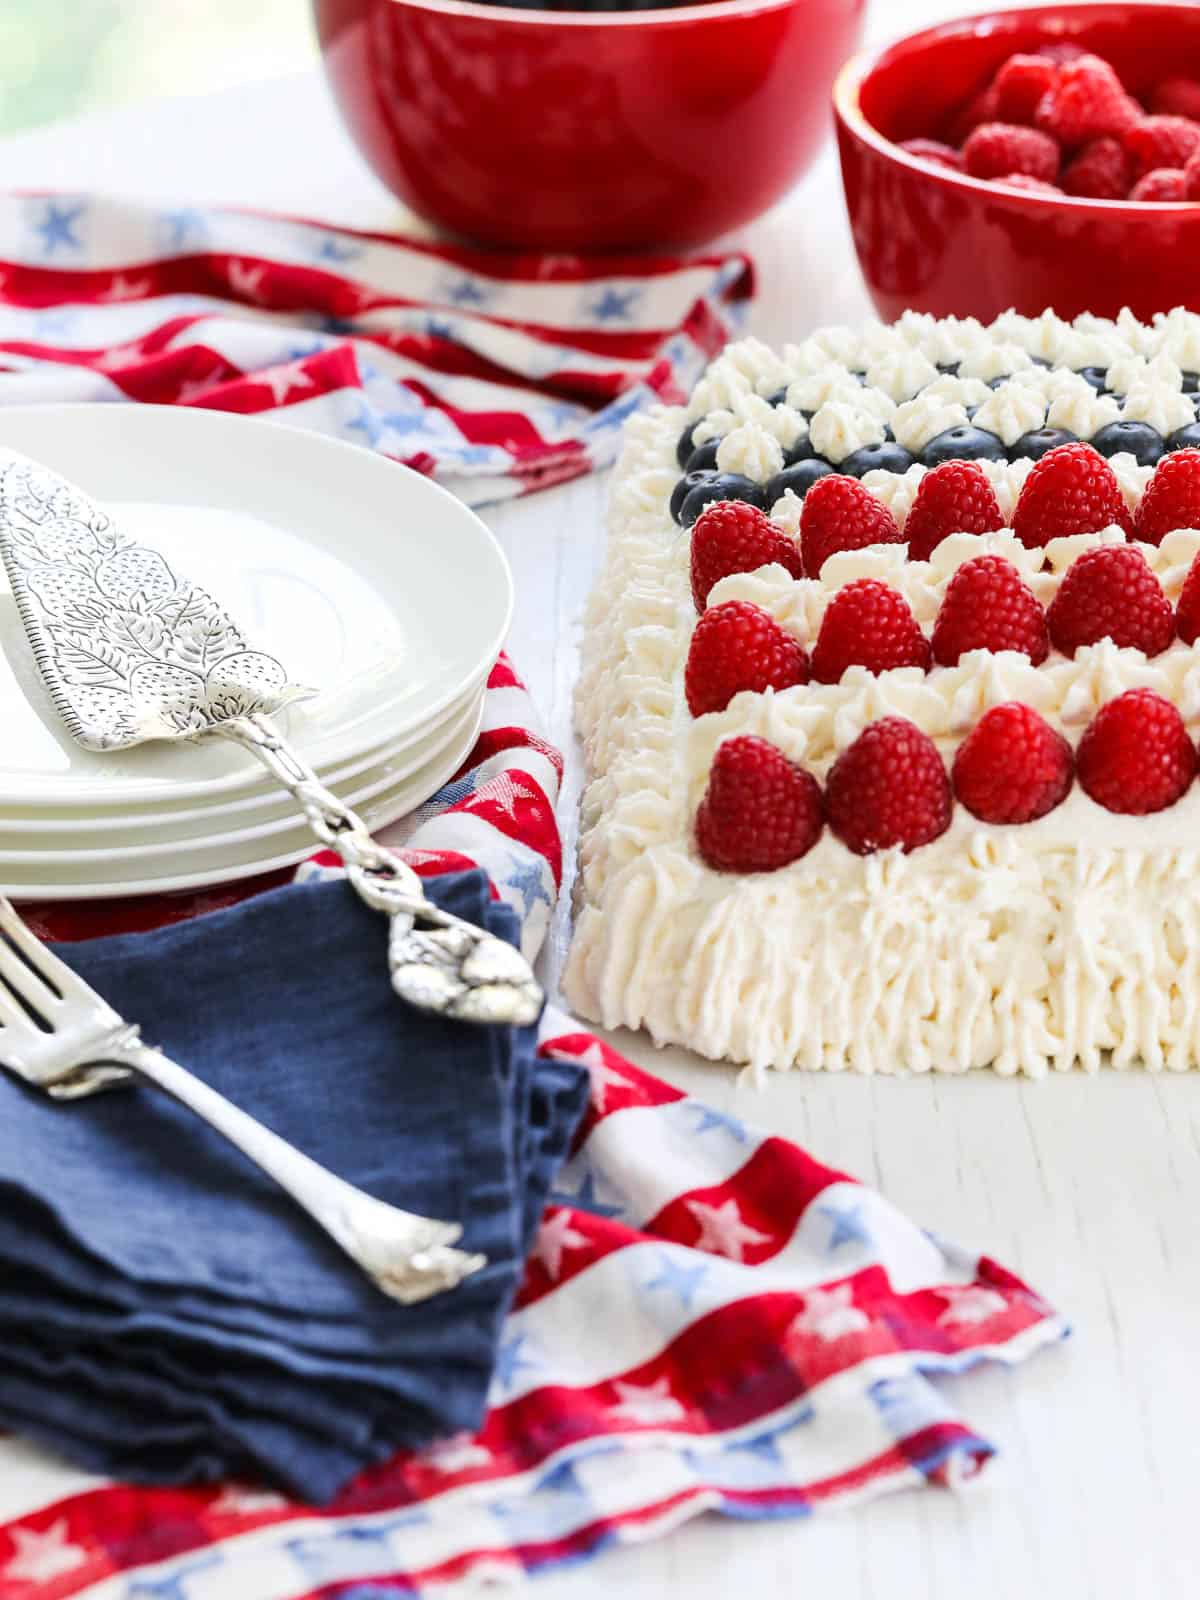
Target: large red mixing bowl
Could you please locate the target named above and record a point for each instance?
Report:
(941, 242)
(586, 131)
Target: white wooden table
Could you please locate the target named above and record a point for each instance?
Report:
(1088, 1187)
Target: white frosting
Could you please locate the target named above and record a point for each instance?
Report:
(1053, 383)
(920, 420)
(902, 373)
(1132, 371)
(715, 425)
(1158, 404)
(896, 490)
(966, 391)
(814, 391)
(1131, 477)
(1083, 414)
(752, 451)
(950, 340)
(1012, 410)
(838, 429)
(842, 343)
(1050, 945)
(991, 360)
(1179, 338)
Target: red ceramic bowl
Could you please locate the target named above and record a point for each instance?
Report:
(951, 245)
(580, 131)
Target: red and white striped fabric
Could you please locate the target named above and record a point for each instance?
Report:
(711, 1321)
(496, 374)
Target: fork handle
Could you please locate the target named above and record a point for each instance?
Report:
(409, 1257)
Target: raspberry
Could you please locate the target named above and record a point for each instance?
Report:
(1135, 756)
(942, 155)
(868, 624)
(1187, 614)
(1072, 489)
(1163, 142)
(1012, 766)
(1176, 97)
(987, 607)
(1022, 180)
(1061, 51)
(996, 149)
(739, 646)
(954, 498)
(1103, 170)
(985, 107)
(1172, 497)
(759, 811)
(1020, 84)
(1110, 593)
(1163, 185)
(1191, 179)
(1086, 101)
(889, 788)
(839, 514)
(731, 536)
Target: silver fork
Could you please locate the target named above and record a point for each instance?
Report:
(58, 1034)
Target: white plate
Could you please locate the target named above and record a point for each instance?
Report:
(365, 579)
(74, 844)
(81, 828)
(194, 867)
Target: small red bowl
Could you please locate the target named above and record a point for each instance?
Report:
(586, 131)
(941, 242)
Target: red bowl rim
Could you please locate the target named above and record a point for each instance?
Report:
(673, 16)
(848, 109)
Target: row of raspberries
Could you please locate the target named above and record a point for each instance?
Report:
(1071, 490)
(890, 788)
(1107, 593)
(1059, 120)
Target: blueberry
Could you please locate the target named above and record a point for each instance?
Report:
(703, 458)
(799, 479)
(779, 398)
(1191, 383)
(720, 486)
(1033, 446)
(964, 443)
(998, 383)
(950, 368)
(689, 481)
(802, 450)
(1142, 441)
(685, 446)
(1097, 377)
(877, 457)
(1185, 438)
(1040, 361)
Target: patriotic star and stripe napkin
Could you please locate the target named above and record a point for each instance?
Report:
(710, 1321)
(495, 374)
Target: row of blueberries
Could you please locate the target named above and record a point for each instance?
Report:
(703, 483)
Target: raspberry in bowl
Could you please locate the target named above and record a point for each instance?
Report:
(1028, 158)
(586, 130)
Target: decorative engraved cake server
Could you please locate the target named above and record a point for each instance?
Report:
(58, 1034)
(131, 650)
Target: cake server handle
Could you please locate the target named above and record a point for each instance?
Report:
(438, 962)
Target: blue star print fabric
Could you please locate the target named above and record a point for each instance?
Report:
(202, 1327)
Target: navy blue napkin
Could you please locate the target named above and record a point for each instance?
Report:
(166, 1313)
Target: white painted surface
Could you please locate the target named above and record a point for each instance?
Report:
(1090, 1188)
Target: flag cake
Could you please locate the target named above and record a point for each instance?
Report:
(889, 700)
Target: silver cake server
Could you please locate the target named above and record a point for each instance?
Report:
(131, 650)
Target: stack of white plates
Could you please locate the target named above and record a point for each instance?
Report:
(367, 581)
